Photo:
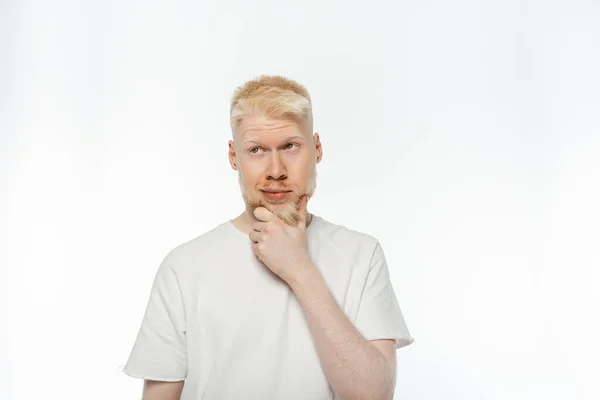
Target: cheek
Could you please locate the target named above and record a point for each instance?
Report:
(302, 174)
(250, 173)
(298, 161)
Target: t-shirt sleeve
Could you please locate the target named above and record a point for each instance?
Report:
(159, 351)
(379, 315)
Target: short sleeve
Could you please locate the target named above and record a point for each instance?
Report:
(379, 315)
(159, 351)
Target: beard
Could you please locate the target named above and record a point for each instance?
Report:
(286, 209)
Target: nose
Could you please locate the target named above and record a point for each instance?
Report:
(276, 170)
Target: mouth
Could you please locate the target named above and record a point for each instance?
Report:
(275, 191)
(275, 195)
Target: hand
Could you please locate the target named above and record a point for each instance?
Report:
(281, 247)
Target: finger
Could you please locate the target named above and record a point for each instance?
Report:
(302, 211)
(262, 214)
(254, 236)
(254, 247)
(259, 226)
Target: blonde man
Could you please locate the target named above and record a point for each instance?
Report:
(277, 303)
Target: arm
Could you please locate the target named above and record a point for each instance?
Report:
(159, 354)
(356, 368)
(157, 390)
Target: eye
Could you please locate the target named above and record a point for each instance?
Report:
(289, 146)
(254, 150)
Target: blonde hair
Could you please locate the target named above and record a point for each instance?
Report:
(274, 97)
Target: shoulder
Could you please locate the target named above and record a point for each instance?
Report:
(344, 238)
(200, 248)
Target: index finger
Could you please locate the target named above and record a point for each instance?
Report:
(258, 226)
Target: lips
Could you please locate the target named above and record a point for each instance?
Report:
(275, 195)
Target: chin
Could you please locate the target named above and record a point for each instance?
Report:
(286, 210)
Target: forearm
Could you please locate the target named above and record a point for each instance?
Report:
(355, 368)
(158, 390)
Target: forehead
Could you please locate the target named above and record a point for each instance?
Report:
(263, 128)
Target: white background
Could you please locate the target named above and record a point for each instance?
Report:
(464, 135)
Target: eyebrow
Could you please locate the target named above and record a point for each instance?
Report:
(255, 139)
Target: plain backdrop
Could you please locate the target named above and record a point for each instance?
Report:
(464, 135)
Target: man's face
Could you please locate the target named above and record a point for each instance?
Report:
(276, 161)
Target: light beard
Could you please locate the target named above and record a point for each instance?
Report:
(287, 210)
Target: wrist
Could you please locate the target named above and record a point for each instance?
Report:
(305, 274)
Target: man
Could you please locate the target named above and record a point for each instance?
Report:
(277, 303)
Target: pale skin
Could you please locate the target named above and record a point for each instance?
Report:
(157, 390)
(277, 154)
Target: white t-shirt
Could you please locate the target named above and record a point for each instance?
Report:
(220, 319)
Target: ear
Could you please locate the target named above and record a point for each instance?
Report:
(318, 147)
(232, 157)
